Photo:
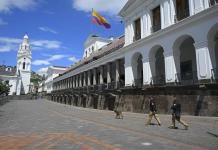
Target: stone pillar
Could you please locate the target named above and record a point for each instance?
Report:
(170, 68)
(84, 79)
(89, 77)
(204, 64)
(117, 76)
(71, 82)
(81, 80)
(108, 73)
(101, 75)
(76, 80)
(94, 76)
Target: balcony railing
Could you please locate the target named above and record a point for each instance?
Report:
(187, 78)
(156, 27)
(214, 73)
(102, 87)
(136, 37)
(158, 80)
(120, 84)
(138, 83)
(213, 2)
(111, 85)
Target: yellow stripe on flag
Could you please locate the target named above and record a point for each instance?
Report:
(95, 14)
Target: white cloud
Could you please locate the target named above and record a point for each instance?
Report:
(40, 62)
(112, 7)
(48, 60)
(42, 71)
(7, 5)
(73, 59)
(9, 44)
(47, 29)
(12, 44)
(46, 44)
(2, 22)
(56, 57)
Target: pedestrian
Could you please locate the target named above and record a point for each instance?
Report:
(153, 111)
(118, 108)
(176, 115)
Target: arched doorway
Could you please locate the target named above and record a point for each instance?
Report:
(185, 59)
(157, 63)
(137, 68)
(213, 49)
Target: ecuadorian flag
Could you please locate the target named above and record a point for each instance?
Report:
(100, 20)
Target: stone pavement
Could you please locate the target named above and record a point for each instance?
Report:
(45, 125)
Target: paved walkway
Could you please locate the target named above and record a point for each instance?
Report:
(45, 125)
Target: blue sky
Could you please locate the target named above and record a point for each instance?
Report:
(57, 28)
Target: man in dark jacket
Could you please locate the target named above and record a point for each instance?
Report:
(153, 111)
(176, 115)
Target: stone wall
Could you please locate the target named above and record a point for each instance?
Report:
(200, 101)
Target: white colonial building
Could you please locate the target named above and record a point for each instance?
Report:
(93, 44)
(52, 72)
(168, 41)
(170, 48)
(19, 77)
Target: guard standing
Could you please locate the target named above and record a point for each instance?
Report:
(153, 111)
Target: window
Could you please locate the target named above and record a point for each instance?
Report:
(182, 9)
(24, 65)
(137, 25)
(156, 19)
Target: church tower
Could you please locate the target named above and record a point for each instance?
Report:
(24, 60)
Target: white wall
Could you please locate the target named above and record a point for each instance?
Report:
(167, 16)
(196, 28)
(96, 45)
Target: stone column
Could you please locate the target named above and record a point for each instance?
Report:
(74, 81)
(77, 80)
(84, 79)
(170, 68)
(203, 60)
(94, 76)
(101, 74)
(117, 77)
(108, 73)
(89, 77)
(71, 82)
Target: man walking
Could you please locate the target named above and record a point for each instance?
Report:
(176, 115)
(153, 111)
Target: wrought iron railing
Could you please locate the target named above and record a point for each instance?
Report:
(120, 84)
(138, 83)
(158, 80)
(136, 37)
(156, 27)
(111, 86)
(214, 73)
(102, 87)
(187, 78)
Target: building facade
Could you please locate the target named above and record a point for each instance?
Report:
(170, 49)
(52, 72)
(19, 77)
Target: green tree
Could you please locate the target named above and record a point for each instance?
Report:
(4, 87)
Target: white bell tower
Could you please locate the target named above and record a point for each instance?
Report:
(24, 60)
